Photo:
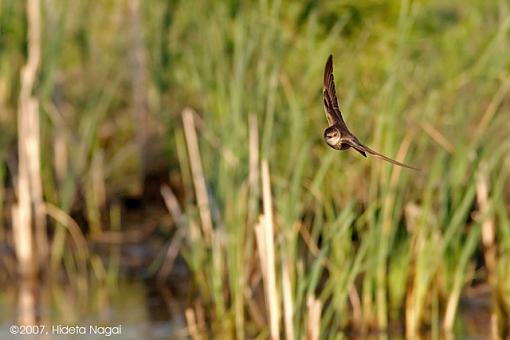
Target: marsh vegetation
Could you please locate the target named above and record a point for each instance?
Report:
(192, 130)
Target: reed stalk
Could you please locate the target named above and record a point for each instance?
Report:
(31, 242)
(313, 321)
(198, 173)
(268, 228)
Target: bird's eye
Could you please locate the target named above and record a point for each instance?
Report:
(331, 133)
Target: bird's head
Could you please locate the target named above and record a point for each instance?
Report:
(332, 137)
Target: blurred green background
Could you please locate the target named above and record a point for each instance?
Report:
(360, 246)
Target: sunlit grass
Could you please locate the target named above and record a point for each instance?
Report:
(375, 243)
(358, 244)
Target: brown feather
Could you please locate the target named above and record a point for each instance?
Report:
(363, 148)
(333, 113)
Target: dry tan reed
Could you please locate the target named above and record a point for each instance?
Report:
(197, 172)
(261, 246)
(268, 227)
(175, 245)
(438, 137)
(288, 305)
(192, 324)
(451, 310)
(27, 303)
(31, 136)
(28, 213)
(264, 234)
(314, 317)
(70, 224)
(488, 225)
(488, 241)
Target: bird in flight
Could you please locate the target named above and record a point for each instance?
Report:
(337, 135)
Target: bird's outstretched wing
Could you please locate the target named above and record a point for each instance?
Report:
(331, 107)
(365, 149)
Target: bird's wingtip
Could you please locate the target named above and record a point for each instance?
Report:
(330, 59)
(328, 69)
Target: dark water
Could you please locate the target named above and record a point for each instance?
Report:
(135, 309)
(140, 309)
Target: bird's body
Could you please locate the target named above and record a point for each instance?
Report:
(337, 135)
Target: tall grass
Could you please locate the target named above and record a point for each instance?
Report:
(58, 151)
(375, 244)
(282, 235)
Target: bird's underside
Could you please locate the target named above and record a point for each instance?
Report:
(337, 135)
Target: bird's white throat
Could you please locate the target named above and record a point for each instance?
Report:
(333, 140)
